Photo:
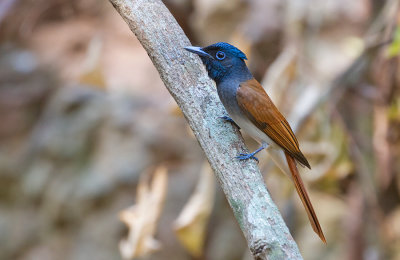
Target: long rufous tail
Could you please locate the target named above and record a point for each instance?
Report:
(301, 190)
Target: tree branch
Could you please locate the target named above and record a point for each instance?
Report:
(186, 79)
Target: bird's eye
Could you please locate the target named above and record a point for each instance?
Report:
(220, 55)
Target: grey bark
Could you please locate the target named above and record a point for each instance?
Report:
(186, 79)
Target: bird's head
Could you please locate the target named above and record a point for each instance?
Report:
(220, 59)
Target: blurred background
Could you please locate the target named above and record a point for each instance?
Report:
(87, 130)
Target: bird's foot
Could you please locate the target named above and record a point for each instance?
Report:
(246, 156)
(228, 119)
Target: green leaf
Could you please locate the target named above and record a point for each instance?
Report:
(394, 48)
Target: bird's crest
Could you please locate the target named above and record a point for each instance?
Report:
(226, 47)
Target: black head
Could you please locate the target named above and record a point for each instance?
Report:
(221, 59)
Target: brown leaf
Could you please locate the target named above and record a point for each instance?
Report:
(190, 227)
(92, 72)
(142, 217)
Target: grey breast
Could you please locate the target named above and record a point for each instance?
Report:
(227, 93)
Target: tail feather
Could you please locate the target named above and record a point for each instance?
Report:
(301, 190)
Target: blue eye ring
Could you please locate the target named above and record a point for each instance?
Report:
(220, 55)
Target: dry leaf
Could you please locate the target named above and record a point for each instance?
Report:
(190, 227)
(142, 218)
(92, 72)
(93, 77)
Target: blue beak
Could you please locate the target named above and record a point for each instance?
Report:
(199, 51)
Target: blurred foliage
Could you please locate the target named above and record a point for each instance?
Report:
(85, 117)
(394, 47)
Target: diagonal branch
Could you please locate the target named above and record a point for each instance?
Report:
(187, 81)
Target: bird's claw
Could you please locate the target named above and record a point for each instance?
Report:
(228, 119)
(246, 156)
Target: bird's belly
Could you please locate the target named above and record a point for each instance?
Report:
(252, 130)
(274, 150)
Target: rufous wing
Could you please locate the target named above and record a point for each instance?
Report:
(258, 107)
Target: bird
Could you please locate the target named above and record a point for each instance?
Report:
(252, 110)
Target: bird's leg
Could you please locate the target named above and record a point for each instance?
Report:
(228, 119)
(246, 156)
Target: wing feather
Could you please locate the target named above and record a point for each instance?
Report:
(258, 107)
